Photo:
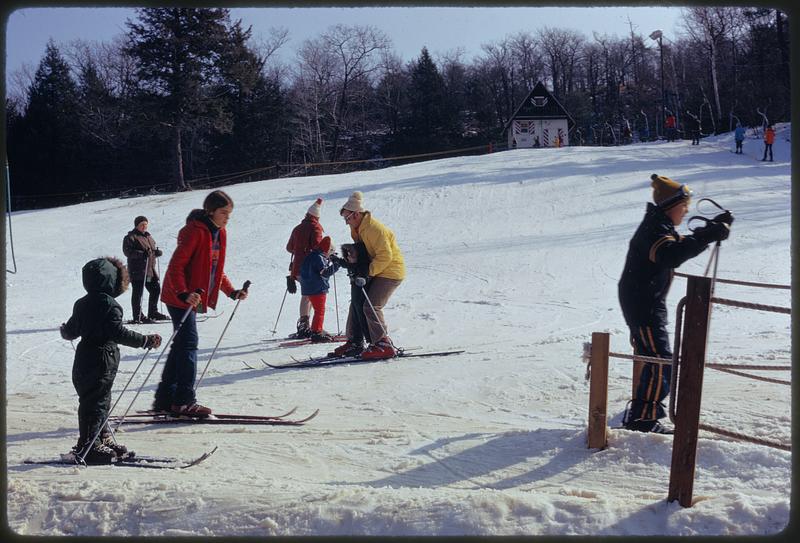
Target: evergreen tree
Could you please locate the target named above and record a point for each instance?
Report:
(177, 50)
(425, 126)
(49, 152)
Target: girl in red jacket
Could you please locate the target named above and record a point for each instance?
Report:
(198, 262)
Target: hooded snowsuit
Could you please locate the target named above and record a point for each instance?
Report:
(97, 320)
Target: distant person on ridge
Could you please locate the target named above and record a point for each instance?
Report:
(197, 263)
(97, 320)
(304, 237)
(385, 273)
(671, 125)
(697, 128)
(655, 250)
(738, 136)
(769, 139)
(142, 251)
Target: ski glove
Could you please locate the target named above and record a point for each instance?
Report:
(291, 285)
(151, 341)
(713, 231)
(237, 293)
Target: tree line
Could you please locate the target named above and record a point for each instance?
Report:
(186, 96)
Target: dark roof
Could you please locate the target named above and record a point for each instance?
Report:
(540, 104)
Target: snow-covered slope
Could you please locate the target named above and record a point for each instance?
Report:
(512, 256)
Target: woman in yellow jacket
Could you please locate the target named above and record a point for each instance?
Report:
(386, 271)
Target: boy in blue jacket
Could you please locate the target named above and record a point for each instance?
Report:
(314, 283)
(738, 135)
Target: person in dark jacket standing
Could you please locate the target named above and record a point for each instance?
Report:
(697, 128)
(197, 263)
(314, 283)
(655, 250)
(97, 320)
(142, 251)
(304, 237)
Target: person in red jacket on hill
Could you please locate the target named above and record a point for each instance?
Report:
(197, 263)
(769, 139)
(305, 236)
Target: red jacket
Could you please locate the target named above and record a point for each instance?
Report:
(769, 136)
(304, 238)
(190, 267)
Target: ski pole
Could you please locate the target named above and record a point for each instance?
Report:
(210, 358)
(144, 286)
(275, 328)
(125, 388)
(360, 282)
(336, 304)
(158, 266)
(147, 378)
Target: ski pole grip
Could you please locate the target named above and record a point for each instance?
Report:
(246, 285)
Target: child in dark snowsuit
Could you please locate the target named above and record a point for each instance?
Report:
(97, 320)
(355, 259)
(655, 250)
(314, 283)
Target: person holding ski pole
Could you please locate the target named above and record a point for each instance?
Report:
(655, 250)
(769, 139)
(304, 237)
(197, 263)
(97, 320)
(738, 136)
(141, 249)
(314, 283)
(385, 273)
(355, 260)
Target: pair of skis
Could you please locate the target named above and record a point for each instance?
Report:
(202, 318)
(149, 462)
(312, 362)
(162, 417)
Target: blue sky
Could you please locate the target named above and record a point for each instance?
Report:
(441, 29)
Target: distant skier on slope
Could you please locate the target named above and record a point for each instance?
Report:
(304, 237)
(654, 251)
(386, 271)
(769, 139)
(738, 136)
(314, 283)
(97, 320)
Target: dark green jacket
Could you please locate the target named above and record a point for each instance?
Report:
(97, 317)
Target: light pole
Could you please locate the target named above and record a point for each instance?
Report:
(658, 35)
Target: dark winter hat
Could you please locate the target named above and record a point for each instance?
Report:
(324, 244)
(140, 218)
(668, 193)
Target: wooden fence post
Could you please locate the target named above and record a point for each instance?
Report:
(597, 435)
(690, 388)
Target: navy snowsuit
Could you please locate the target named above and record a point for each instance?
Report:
(654, 251)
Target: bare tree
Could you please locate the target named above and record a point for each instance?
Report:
(709, 26)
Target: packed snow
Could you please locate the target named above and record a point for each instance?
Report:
(512, 256)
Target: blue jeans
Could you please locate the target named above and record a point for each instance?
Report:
(180, 370)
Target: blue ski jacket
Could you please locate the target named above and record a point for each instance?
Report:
(314, 273)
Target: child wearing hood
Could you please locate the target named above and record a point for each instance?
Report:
(314, 283)
(97, 320)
